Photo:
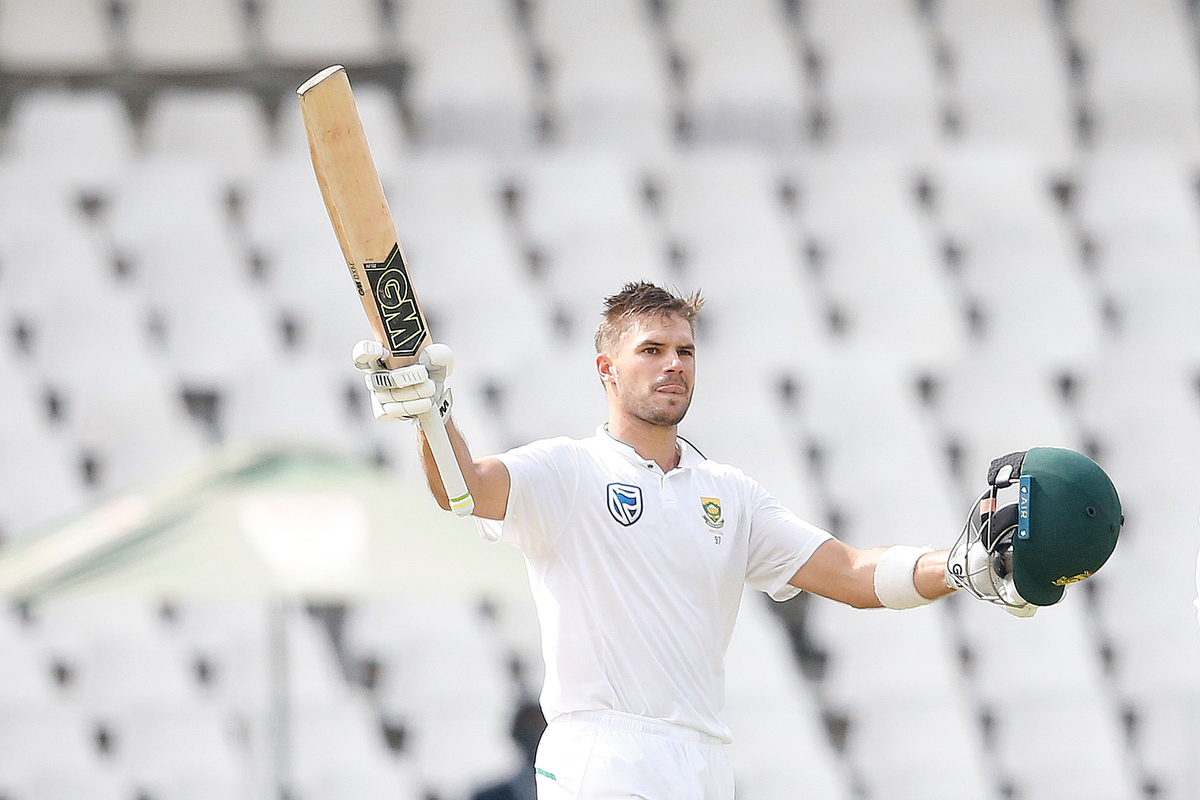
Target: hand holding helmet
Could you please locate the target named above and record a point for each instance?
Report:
(1060, 527)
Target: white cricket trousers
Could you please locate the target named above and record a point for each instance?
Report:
(595, 755)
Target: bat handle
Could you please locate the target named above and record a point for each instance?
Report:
(461, 502)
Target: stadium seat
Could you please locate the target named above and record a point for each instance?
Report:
(743, 79)
(1139, 209)
(987, 408)
(877, 73)
(25, 675)
(913, 730)
(167, 35)
(862, 417)
(119, 654)
(339, 751)
(318, 416)
(778, 743)
(996, 207)
(55, 35)
(180, 752)
(316, 33)
(223, 129)
(47, 752)
(1140, 73)
(471, 81)
(608, 80)
(232, 635)
(1009, 79)
(582, 210)
(737, 247)
(444, 674)
(1056, 729)
(39, 466)
(876, 260)
(83, 137)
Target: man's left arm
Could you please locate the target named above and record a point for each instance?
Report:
(896, 577)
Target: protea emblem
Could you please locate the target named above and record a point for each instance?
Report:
(712, 511)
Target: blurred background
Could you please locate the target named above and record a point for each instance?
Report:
(931, 232)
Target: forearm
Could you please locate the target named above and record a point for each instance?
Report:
(486, 478)
(847, 574)
(930, 575)
(462, 454)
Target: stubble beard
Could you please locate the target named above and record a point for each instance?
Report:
(644, 409)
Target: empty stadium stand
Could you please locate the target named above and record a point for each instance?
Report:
(930, 232)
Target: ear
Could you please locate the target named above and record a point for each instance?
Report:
(604, 366)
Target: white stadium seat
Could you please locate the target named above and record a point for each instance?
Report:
(1139, 207)
(165, 34)
(1019, 259)
(315, 33)
(608, 76)
(877, 259)
(224, 129)
(743, 79)
(82, 137)
(1140, 73)
(471, 81)
(876, 65)
(1009, 77)
(49, 35)
(913, 732)
(1056, 730)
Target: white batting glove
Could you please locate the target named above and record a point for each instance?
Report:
(408, 392)
(981, 572)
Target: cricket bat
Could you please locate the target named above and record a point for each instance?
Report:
(363, 223)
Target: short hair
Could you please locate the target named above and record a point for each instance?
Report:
(640, 299)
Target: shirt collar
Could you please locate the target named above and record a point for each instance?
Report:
(689, 456)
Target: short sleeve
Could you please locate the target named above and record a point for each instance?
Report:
(543, 477)
(780, 544)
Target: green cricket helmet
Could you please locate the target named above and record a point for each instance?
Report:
(1061, 528)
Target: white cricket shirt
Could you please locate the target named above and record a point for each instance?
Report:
(637, 575)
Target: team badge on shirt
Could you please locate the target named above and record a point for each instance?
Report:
(712, 516)
(625, 503)
(712, 512)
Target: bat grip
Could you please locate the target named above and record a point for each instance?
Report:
(461, 502)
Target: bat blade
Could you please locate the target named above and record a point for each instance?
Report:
(358, 209)
(363, 224)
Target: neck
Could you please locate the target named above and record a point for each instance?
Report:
(652, 442)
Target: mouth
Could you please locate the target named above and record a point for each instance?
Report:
(671, 388)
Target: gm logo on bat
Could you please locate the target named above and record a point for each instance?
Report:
(397, 307)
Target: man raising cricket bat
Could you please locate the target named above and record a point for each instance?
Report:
(638, 546)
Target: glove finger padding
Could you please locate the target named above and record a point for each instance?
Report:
(383, 380)
(369, 355)
(439, 360)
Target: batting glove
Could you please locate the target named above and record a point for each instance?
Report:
(987, 576)
(408, 392)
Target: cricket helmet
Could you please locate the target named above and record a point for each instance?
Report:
(1061, 528)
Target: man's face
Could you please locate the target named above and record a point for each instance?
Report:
(650, 372)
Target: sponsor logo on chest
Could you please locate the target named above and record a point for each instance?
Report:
(625, 503)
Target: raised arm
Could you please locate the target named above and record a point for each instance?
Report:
(487, 478)
(846, 574)
(407, 393)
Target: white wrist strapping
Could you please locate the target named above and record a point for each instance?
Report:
(895, 585)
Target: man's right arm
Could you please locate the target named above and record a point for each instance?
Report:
(487, 478)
